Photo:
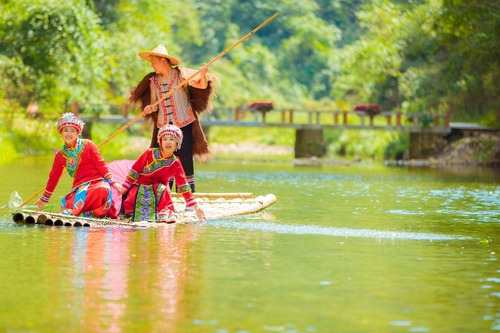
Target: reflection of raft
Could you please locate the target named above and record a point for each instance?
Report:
(215, 205)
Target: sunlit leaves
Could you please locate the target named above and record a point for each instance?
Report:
(404, 54)
(427, 56)
(59, 46)
(373, 58)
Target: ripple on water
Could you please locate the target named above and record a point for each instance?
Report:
(400, 323)
(480, 204)
(333, 231)
(404, 212)
(419, 329)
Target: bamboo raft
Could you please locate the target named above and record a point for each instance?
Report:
(215, 205)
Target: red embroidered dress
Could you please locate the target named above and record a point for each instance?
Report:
(91, 192)
(148, 184)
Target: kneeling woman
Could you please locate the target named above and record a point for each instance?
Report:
(91, 194)
(148, 197)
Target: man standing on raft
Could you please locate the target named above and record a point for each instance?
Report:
(182, 108)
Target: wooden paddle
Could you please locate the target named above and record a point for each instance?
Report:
(167, 95)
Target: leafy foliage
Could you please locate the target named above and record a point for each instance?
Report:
(431, 56)
(52, 51)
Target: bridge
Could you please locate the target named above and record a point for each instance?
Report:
(309, 125)
(304, 119)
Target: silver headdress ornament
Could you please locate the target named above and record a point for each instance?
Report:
(69, 119)
(173, 130)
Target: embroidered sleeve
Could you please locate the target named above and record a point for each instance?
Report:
(131, 179)
(183, 186)
(134, 173)
(110, 179)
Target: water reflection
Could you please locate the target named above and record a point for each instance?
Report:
(117, 272)
(344, 249)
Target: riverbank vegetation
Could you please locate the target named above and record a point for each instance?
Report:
(428, 56)
(25, 136)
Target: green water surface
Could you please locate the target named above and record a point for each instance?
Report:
(360, 248)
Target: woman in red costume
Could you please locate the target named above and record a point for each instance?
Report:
(91, 194)
(148, 197)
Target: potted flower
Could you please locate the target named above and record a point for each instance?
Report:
(369, 109)
(262, 107)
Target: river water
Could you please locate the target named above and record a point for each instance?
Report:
(359, 248)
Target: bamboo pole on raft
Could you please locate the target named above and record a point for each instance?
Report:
(183, 83)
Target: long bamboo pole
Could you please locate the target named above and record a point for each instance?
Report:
(183, 83)
(167, 95)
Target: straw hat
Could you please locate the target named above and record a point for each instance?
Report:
(159, 51)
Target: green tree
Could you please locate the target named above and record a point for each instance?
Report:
(423, 56)
(140, 26)
(414, 55)
(52, 52)
(366, 64)
(469, 31)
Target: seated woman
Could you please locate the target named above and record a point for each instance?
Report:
(146, 186)
(91, 194)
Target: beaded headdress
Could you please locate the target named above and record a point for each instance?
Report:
(69, 119)
(171, 130)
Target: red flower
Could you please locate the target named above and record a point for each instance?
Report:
(372, 109)
(360, 107)
(375, 107)
(261, 106)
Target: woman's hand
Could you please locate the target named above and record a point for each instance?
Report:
(119, 188)
(202, 81)
(40, 205)
(200, 214)
(203, 70)
(149, 109)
